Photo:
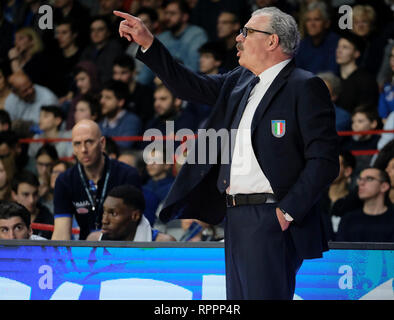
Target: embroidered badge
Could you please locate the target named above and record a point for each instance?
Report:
(278, 128)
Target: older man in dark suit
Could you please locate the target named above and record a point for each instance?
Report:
(283, 156)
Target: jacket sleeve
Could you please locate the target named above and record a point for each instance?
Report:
(182, 82)
(316, 122)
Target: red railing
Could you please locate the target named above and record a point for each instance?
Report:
(140, 138)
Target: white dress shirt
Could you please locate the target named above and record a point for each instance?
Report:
(246, 176)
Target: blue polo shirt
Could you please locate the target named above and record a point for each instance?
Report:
(71, 198)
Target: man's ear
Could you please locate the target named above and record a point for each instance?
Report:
(121, 103)
(135, 215)
(385, 187)
(58, 121)
(102, 143)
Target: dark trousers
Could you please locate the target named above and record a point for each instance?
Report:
(261, 261)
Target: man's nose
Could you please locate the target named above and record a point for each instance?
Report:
(239, 38)
(104, 219)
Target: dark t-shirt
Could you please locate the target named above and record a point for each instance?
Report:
(71, 198)
(356, 226)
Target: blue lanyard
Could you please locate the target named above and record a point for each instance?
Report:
(103, 193)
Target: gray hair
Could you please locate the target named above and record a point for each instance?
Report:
(284, 26)
(321, 6)
(333, 80)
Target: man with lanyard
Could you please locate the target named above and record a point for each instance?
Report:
(81, 190)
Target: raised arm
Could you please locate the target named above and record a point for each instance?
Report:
(133, 29)
(183, 82)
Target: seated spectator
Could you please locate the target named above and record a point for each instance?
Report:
(28, 55)
(5, 89)
(385, 161)
(27, 98)
(358, 86)
(66, 35)
(169, 108)
(5, 121)
(106, 9)
(15, 222)
(88, 108)
(25, 191)
(363, 119)
(73, 10)
(81, 190)
(161, 180)
(375, 221)
(57, 168)
(7, 172)
(51, 119)
(102, 49)
(116, 121)
(140, 97)
(123, 219)
(386, 98)
(11, 148)
(337, 193)
(212, 55)
(342, 117)
(150, 18)
(45, 157)
(180, 38)
(364, 25)
(228, 26)
(317, 50)
(87, 82)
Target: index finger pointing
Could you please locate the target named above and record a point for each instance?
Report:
(124, 15)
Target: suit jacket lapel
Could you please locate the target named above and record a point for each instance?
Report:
(236, 98)
(275, 86)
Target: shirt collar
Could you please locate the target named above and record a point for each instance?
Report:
(268, 75)
(113, 123)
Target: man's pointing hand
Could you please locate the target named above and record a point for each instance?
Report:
(133, 29)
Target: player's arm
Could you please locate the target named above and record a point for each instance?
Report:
(62, 229)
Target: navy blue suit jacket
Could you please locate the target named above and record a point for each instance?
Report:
(299, 166)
